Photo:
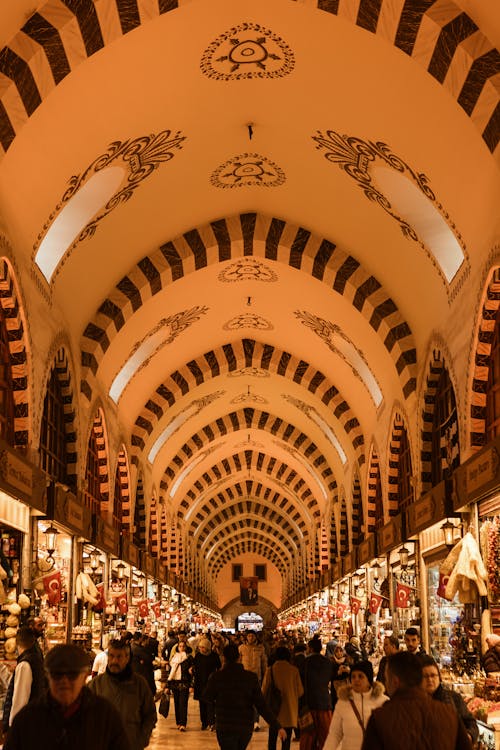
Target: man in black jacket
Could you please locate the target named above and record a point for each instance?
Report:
(68, 716)
(28, 681)
(235, 692)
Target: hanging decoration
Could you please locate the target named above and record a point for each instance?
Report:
(52, 586)
(402, 595)
(375, 602)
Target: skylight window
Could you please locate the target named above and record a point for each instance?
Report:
(75, 216)
(420, 213)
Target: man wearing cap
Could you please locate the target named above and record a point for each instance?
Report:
(129, 692)
(68, 716)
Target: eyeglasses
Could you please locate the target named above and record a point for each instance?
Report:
(70, 675)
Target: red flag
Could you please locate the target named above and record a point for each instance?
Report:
(122, 603)
(52, 586)
(340, 610)
(375, 602)
(402, 596)
(143, 608)
(443, 582)
(355, 605)
(156, 607)
(101, 604)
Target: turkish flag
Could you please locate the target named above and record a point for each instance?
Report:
(375, 602)
(52, 586)
(156, 607)
(443, 582)
(340, 610)
(122, 603)
(143, 608)
(402, 596)
(355, 605)
(101, 604)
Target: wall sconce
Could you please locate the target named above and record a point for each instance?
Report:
(120, 571)
(94, 561)
(403, 553)
(355, 580)
(448, 530)
(376, 571)
(50, 542)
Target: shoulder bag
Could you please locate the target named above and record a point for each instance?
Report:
(273, 695)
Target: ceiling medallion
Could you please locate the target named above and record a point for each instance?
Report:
(247, 51)
(247, 269)
(248, 320)
(248, 170)
(253, 372)
(138, 156)
(248, 398)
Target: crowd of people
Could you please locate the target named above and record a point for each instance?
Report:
(325, 694)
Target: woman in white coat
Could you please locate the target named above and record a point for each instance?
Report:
(356, 700)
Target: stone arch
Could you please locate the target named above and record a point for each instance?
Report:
(399, 426)
(357, 521)
(139, 536)
(343, 527)
(123, 479)
(154, 542)
(374, 480)
(98, 427)
(258, 236)
(435, 36)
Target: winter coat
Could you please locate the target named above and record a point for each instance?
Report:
(180, 675)
(318, 677)
(133, 700)
(38, 680)
(95, 725)
(491, 661)
(142, 663)
(235, 691)
(344, 728)
(253, 658)
(287, 680)
(455, 699)
(204, 665)
(86, 590)
(468, 574)
(411, 720)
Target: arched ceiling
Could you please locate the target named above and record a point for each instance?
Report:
(261, 209)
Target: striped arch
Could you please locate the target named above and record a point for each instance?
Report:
(251, 235)
(323, 546)
(256, 542)
(163, 533)
(62, 370)
(235, 524)
(245, 419)
(437, 36)
(334, 547)
(358, 524)
(374, 506)
(398, 428)
(257, 500)
(344, 531)
(290, 481)
(482, 361)
(101, 438)
(449, 446)
(139, 536)
(13, 313)
(123, 482)
(154, 540)
(173, 562)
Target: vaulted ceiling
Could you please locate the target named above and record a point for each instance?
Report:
(248, 217)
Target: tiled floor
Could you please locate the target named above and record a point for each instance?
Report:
(166, 736)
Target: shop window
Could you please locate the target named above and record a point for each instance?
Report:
(53, 432)
(405, 490)
(493, 392)
(92, 492)
(6, 387)
(444, 431)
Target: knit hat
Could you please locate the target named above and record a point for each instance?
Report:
(365, 667)
(492, 640)
(66, 657)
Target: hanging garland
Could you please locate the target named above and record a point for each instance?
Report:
(493, 557)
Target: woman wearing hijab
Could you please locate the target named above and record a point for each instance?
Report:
(206, 661)
(356, 701)
(179, 682)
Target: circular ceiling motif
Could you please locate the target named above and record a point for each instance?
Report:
(247, 269)
(253, 372)
(248, 170)
(248, 320)
(247, 51)
(249, 398)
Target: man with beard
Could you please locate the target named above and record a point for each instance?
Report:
(129, 693)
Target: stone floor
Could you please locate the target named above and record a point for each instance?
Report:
(166, 734)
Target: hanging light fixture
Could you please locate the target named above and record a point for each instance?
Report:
(50, 541)
(95, 560)
(404, 554)
(120, 570)
(448, 530)
(376, 570)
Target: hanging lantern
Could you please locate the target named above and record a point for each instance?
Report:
(50, 541)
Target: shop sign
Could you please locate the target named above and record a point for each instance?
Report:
(390, 535)
(69, 512)
(106, 537)
(21, 479)
(428, 509)
(129, 552)
(366, 550)
(477, 476)
(350, 562)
